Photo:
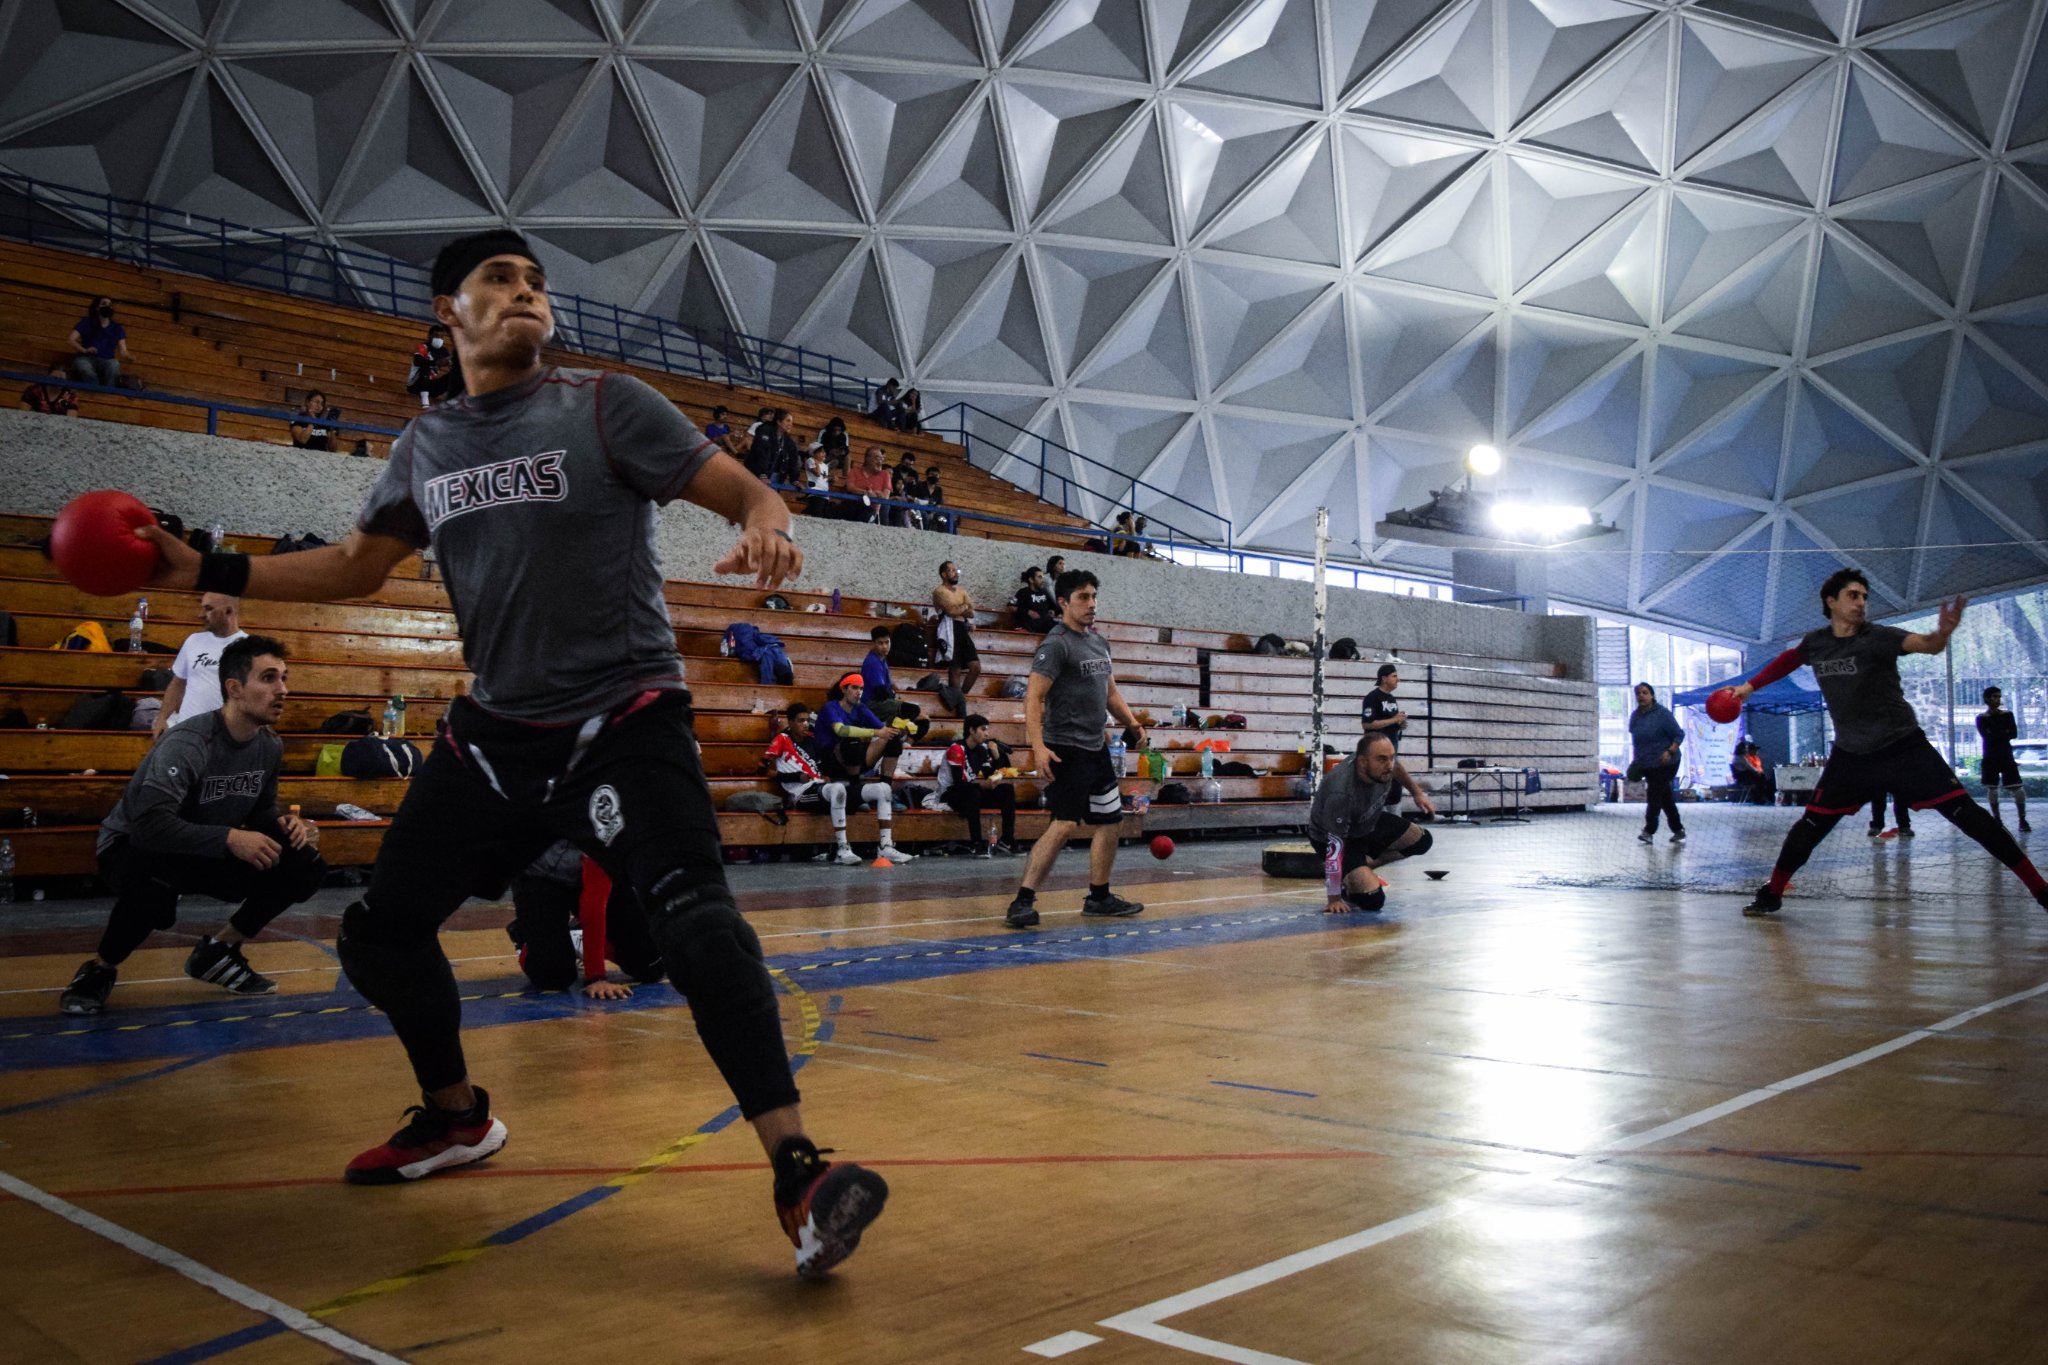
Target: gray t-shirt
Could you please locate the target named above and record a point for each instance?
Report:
(1859, 679)
(539, 501)
(195, 786)
(1077, 706)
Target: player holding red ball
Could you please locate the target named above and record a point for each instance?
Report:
(1879, 745)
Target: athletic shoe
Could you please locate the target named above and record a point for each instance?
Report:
(980, 851)
(823, 1205)
(1905, 833)
(1767, 902)
(90, 986)
(1111, 906)
(433, 1139)
(846, 857)
(998, 849)
(1677, 836)
(2026, 828)
(1022, 914)
(1646, 837)
(895, 854)
(1874, 832)
(223, 965)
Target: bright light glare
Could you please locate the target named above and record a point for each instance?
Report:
(1539, 519)
(1483, 461)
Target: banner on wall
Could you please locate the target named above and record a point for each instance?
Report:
(1709, 748)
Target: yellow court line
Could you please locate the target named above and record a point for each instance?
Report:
(807, 1046)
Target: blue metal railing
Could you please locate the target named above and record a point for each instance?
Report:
(1191, 524)
(944, 518)
(214, 407)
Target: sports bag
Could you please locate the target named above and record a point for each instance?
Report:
(155, 680)
(1270, 644)
(347, 723)
(1346, 648)
(370, 758)
(1172, 794)
(107, 710)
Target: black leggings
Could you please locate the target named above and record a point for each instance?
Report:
(1662, 796)
(971, 799)
(147, 887)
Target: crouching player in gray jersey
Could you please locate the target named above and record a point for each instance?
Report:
(537, 492)
(201, 814)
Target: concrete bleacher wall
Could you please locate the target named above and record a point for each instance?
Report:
(45, 461)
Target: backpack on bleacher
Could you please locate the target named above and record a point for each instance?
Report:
(88, 636)
(347, 723)
(1270, 644)
(1346, 648)
(1172, 794)
(107, 710)
(370, 758)
(749, 644)
(907, 647)
(155, 680)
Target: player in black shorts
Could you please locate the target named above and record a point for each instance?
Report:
(1997, 729)
(537, 491)
(1069, 699)
(1879, 745)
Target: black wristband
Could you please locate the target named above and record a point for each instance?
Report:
(223, 573)
(786, 536)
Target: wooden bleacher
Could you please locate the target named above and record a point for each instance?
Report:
(222, 342)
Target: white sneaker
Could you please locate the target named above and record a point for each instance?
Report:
(846, 857)
(895, 854)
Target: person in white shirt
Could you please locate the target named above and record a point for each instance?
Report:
(195, 674)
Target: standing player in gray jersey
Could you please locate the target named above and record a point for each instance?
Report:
(1070, 697)
(537, 492)
(1879, 745)
(201, 814)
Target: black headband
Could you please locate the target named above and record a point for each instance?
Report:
(465, 254)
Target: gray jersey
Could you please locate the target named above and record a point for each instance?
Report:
(539, 501)
(1859, 679)
(195, 786)
(1077, 706)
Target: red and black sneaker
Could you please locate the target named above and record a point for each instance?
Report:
(433, 1139)
(824, 1206)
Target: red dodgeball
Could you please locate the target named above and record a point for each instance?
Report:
(1724, 706)
(94, 546)
(1162, 847)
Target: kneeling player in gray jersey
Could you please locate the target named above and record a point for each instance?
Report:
(537, 491)
(201, 814)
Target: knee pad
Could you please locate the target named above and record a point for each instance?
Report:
(877, 794)
(549, 965)
(1422, 845)
(894, 748)
(712, 953)
(1376, 900)
(388, 966)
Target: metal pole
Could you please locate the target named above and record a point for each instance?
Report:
(1315, 650)
(1948, 660)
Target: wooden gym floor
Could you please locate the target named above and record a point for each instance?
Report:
(1565, 1106)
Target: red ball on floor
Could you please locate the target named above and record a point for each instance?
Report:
(1162, 847)
(93, 543)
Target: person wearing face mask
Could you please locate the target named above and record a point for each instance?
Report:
(435, 372)
(99, 345)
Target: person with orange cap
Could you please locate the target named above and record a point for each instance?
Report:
(858, 748)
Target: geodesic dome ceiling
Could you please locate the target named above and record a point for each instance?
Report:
(1760, 280)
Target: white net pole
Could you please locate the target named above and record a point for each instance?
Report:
(1318, 643)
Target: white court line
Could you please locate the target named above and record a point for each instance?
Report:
(1145, 1322)
(255, 1300)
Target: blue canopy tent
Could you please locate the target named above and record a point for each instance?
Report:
(1786, 697)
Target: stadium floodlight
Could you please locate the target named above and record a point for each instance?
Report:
(1538, 521)
(1482, 460)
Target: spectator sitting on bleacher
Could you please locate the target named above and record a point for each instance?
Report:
(804, 788)
(1032, 608)
(50, 396)
(773, 457)
(935, 498)
(1054, 567)
(834, 443)
(201, 814)
(853, 745)
(904, 487)
(309, 428)
(100, 345)
(1753, 777)
(884, 410)
(871, 480)
(817, 484)
(970, 782)
(910, 411)
(717, 429)
(878, 687)
(195, 673)
(435, 373)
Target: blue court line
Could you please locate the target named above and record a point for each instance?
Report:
(1789, 1160)
(907, 1037)
(1077, 1061)
(233, 1341)
(50, 1100)
(1269, 1089)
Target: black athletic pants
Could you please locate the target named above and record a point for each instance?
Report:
(629, 791)
(971, 799)
(147, 887)
(1661, 786)
(1902, 813)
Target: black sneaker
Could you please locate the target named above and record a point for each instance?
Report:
(1111, 906)
(823, 1205)
(1875, 831)
(2026, 828)
(90, 986)
(1022, 914)
(1767, 902)
(1677, 836)
(1905, 833)
(998, 849)
(980, 851)
(223, 965)
(1646, 837)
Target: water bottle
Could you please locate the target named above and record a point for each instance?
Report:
(398, 705)
(835, 601)
(1301, 741)
(1208, 764)
(6, 871)
(135, 625)
(219, 537)
(1116, 755)
(1180, 714)
(390, 720)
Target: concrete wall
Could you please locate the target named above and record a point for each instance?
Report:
(250, 486)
